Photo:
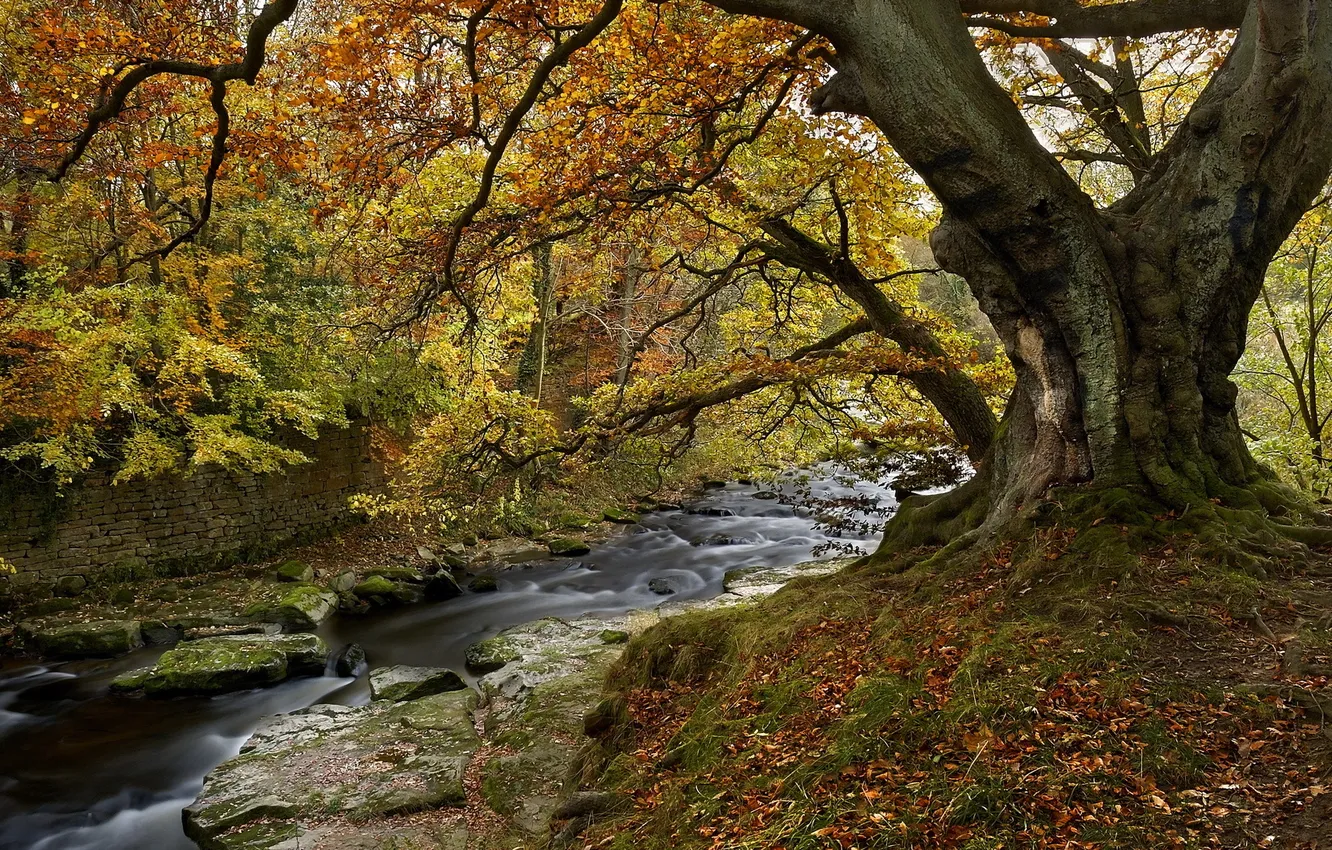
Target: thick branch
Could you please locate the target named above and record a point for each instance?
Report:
(1137, 19)
(954, 395)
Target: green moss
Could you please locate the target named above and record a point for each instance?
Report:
(491, 654)
(619, 515)
(396, 574)
(568, 547)
(297, 571)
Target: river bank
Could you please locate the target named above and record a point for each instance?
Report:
(116, 768)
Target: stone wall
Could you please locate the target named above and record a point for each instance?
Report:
(213, 517)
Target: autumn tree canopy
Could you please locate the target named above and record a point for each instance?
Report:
(1110, 180)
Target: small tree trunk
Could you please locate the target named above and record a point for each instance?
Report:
(532, 363)
(633, 271)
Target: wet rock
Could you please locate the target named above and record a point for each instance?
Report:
(486, 656)
(296, 571)
(483, 584)
(767, 495)
(668, 506)
(161, 634)
(442, 586)
(343, 582)
(614, 636)
(228, 629)
(709, 511)
(514, 550)
(380, 591)
(364, 764)
(98, 639)
(224, 664)
(620, 516)
(70, 585)
(661, 586)
(300, 609)
(568, 547)
(353, 604)
(392, 573)
(722, 540)
(401, 683)
(713, 485)
(752, 582)
(350, 661)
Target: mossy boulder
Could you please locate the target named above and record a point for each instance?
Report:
(401, 683)
(483, 584)
(614, 636)
(378, 590)
(393, 573)
(491, 654)
(374, 586)
(573, 522)
(97, 639)
(365, 764)
(299, 608)
(621, 516)
(568, 547)
(297, 571)
(224, 664)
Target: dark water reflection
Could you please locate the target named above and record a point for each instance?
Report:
(82, 770)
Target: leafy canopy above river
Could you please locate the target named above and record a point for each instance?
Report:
(533, 239)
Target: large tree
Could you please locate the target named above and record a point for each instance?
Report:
(1124, 321)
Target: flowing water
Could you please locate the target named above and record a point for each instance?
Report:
(82, 770)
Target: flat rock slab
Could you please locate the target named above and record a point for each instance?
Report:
(540, 652)
(96, 639)
(751, 582)
(219, 665)
(297, 607)
(302, 774)
(407, 683)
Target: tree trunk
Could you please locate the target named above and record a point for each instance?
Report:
(633, 270)
(532, 362)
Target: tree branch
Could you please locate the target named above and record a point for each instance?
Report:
(1135, 19)
(113, 100)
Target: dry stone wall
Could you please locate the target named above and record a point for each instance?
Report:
(212, 517)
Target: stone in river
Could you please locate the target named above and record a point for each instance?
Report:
(406, 683)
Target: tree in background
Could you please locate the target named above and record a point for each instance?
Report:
(1287, 367)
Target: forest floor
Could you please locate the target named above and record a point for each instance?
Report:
(1183, 705)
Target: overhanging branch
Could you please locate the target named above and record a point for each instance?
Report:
(1135, 19)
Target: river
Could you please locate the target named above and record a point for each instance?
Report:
(83, 770)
